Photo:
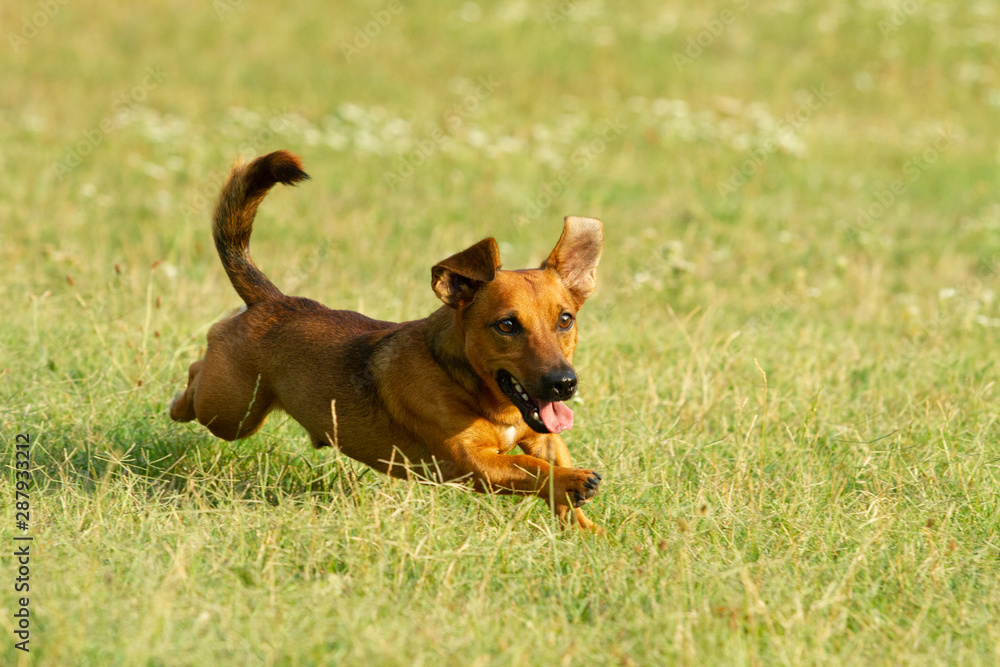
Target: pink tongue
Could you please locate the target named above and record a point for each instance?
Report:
(556, 416)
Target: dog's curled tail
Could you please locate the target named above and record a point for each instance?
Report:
(243, 192)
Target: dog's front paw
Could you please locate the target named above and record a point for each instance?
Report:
(575, 486)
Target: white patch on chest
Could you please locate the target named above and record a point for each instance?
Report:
(507, 435)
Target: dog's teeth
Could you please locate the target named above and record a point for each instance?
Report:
(535, 414)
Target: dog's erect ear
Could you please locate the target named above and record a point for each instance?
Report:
(577, 254)
(457, 279)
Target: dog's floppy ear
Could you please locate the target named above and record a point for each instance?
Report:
(457, 279)
(577, 254)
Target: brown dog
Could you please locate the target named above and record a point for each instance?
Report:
(445, 397)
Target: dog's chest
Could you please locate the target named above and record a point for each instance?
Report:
(508, 437)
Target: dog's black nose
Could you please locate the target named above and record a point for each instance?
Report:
(562, 384)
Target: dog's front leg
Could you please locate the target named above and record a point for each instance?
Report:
(565, 489)
(552, 448)
(476, 453)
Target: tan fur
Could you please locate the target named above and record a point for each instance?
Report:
(415, 397)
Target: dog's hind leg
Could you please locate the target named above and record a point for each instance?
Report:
(226, 398)
(182, 407)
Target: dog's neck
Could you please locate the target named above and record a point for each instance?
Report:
(445, 340)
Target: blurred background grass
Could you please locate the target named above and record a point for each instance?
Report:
(788, 369)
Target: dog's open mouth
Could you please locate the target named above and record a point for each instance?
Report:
(541, 415)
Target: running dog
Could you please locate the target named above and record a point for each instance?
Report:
(446, 397)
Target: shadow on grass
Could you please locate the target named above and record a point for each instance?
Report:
(137, 451)
(172, 462)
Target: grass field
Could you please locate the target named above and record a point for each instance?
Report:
(788, 371)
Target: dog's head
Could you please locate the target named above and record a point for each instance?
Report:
(519, 327)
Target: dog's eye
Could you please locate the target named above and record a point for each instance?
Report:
(565, 321)
(508, 325)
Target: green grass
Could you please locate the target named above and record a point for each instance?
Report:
(794, 408)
